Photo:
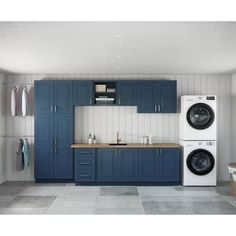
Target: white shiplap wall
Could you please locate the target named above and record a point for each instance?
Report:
(105, 121)
(2, 129)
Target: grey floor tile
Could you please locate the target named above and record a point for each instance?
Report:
(233, 203)
(118, 202)
(71, 207)
(221, 207)
(158, 191)
(11, 190)
(31, 202)
(223, 190)
(119, 211)
(183, 188)
(167, 207)
(18, 183)
(119, 190)
(82, 196)
(22, 211)
(74, 188)
(5, 200)
(42, 191)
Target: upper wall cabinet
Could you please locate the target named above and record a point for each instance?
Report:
(82, 92)
(157, 96)
(53, 97)
(43, 96)
(127, 93)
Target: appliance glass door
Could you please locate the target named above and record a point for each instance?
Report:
(200, 162)
(200, 116)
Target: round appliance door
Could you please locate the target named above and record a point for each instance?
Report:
(200, 116)
(200, 162)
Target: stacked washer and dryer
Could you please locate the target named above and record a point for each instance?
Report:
(197, 135)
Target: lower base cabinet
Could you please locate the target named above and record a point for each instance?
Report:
(139, 165)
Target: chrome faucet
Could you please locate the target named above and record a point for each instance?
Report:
(118, 140)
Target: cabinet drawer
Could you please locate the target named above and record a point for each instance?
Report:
(85, 153)
(84, 175)
(84, 162)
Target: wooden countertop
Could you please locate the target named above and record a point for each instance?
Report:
(129, 145)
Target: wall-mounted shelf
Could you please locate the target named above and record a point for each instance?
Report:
(104, 92)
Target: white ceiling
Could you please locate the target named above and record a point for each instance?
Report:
(118, 47)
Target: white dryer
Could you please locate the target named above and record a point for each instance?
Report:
(199, 163)
(197, 119)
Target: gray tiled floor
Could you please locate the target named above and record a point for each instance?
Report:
(31, 198)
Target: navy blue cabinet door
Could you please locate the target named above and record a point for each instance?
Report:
(83, 93)
(43, 96)
(147, 164)
(43, 146)
(127, 168)
(127, 93)
(62, 97)
(168, 96)
(168, 165)
(63, 138)
(107, 164)
(146, 103)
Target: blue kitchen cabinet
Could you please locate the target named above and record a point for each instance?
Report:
(63, 138)
(52, 96)
(146, 103)
(168, 96)
(62, 99)
(157, 96)
(127, 164)
(127, 91)
(83, 92)
(53, 130)
(84, 165)
(168, 165)
(107, 164)
(43, 96)
(44, 146)
(147, 164)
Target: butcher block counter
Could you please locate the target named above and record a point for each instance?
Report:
(128, 145)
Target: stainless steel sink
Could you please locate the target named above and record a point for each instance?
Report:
(117, 144)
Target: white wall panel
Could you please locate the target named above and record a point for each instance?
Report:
(106, 121)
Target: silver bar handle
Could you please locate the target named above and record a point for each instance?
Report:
(157, 152)
(55, 149)
(55, 108)
(85, 152)
(55, 141)
(155, 108)
(51, 109)
(90, 101)
(159, 108)
(119, 100)
(84, 163)
(84, 175)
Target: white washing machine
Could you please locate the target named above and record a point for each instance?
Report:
(199, 163)
(197, 119)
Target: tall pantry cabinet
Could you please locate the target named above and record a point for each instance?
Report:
(53, 130)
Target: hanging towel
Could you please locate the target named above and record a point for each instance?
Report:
(13, 101)
(24, 101)
(19, 156)
(25, 150)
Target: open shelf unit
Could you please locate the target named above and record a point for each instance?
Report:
(105, 92)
